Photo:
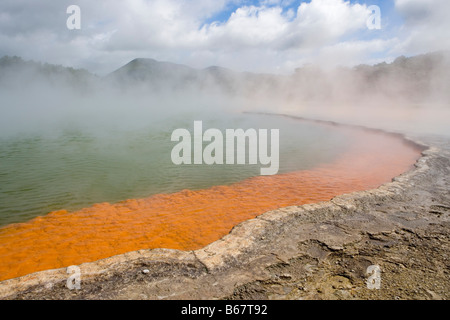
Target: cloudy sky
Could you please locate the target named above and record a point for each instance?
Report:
(273, 36)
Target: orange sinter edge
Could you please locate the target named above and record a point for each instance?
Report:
(189, 220)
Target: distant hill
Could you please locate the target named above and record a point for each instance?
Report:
(16, 72)
(156, 73)
(413, 79)
(416, 78)
(166, 76)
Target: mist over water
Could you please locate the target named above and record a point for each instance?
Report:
(409, 95)
(62, 149)
(69, 139)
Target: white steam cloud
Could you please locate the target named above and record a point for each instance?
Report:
(259, 36)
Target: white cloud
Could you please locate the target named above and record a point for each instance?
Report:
(263, 37)
(426, 26)
(247, 27)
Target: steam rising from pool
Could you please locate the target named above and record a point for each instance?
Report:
(76, 149)
(74, 168)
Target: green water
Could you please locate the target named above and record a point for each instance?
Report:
(75, 167)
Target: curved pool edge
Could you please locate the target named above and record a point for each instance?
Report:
(243, 255)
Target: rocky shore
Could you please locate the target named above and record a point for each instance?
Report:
(318, 251)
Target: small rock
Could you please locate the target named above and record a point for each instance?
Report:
(49, 286)
(145, 271)
(434, 295)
